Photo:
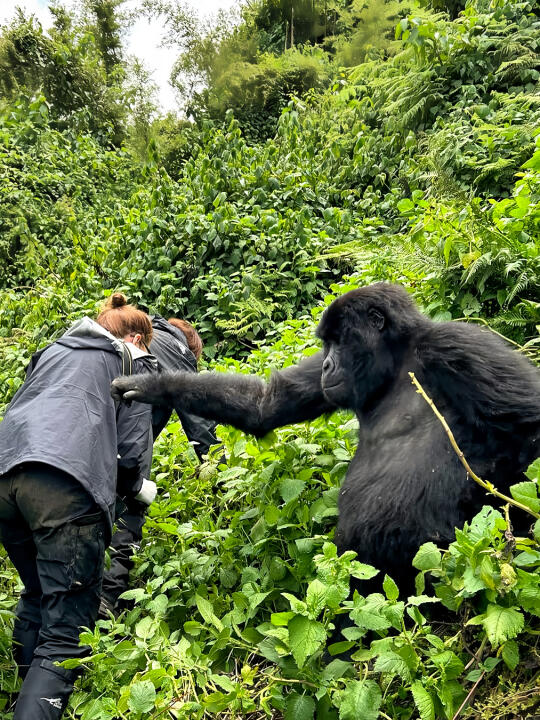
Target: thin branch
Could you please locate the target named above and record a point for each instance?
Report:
(483, 483)
(469, 696)
(477, 656)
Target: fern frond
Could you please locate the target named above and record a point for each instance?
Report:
(519, 287)
(493, 168)
(509, 70)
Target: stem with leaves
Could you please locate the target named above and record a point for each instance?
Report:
(483, 483)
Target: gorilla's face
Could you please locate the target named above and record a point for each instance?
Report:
(355, 353)
(334, 379)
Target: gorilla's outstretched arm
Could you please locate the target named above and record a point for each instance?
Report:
(245, 401)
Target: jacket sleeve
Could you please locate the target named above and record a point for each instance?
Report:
(134, 434)
(134, 447)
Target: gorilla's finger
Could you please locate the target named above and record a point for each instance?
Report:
(120, 386)
(134, 394)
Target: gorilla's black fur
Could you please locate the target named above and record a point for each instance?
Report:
(405, 485)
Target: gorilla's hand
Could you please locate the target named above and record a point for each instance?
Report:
(146, 388)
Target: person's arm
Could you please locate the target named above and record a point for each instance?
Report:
(133, 432)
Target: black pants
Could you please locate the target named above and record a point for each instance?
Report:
(54, 534)
(124, 544)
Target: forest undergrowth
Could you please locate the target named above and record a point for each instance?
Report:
(421, 168)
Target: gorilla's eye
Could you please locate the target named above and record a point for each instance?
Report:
(375, 318)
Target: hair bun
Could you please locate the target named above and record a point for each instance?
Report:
(117, 300)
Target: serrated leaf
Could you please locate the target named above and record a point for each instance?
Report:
(422, 600)
(533, 471)
(362, 571)
(299, 707)
(291, 488)
(136, 594)
(392, 664)
(158, 605)
(145, 628)
(316, 597)
(369, 619)
(510, 654)
(449, 663)
(423, 701)
(527, 494)
(305, 637)
(360, 699)
(142, 697)
(502, 624)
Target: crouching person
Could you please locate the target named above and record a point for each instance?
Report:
(64, 445)
(176, 345)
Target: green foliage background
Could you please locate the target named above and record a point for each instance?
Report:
(300, 179)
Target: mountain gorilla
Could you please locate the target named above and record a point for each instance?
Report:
(405, 485)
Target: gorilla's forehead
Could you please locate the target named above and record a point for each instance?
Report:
(392, 300)
(334, 314)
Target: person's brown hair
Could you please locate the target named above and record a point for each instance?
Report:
(121, 319)
(192, 336)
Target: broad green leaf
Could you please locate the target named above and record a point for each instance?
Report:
(449, 663)
(299, 707)
(502, 624)
(206, 609)
(423, 701)
(405, 205)
(142, 697)
(136, 594)
(527, 494)
(533, 471)
(158, 605)
(427, 557)
(271, 515)
(510, 654)
(370, 619)
(305, 637)
(392, 664)
(146, 628)
(362, 571)
(291, 488)
(281, 619)
(316, 597)
(390, 588)
(360, 699)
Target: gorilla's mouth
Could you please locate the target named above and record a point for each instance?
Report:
(335, 392)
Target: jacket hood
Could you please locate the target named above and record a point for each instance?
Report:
(88, 328)
(159, 323)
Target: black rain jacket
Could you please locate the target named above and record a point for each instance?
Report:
(64, 415)
(170, 348)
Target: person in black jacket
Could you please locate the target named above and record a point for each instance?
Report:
(176, 345)
(66, 449)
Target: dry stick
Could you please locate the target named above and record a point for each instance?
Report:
(486, 485)
(469, 696)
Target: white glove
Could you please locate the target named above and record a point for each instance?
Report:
(147, 493)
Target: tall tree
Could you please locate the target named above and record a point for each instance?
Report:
(108, 33)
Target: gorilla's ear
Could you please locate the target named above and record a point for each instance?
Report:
(375, 318)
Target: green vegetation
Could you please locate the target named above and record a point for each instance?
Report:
(303, 175)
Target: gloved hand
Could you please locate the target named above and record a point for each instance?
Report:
(147, 493)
